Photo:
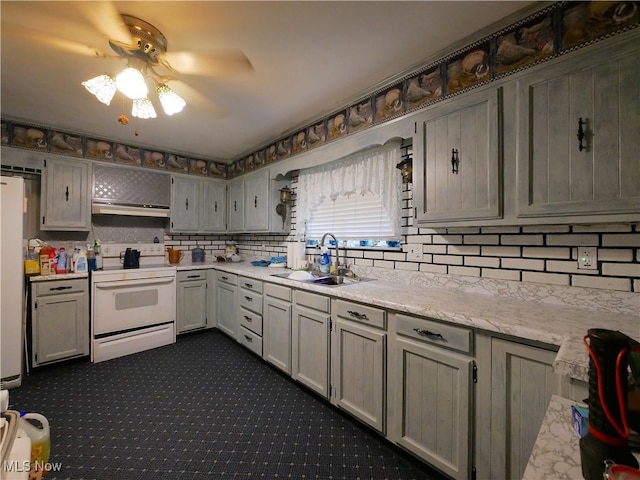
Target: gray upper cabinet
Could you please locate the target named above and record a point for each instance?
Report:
(256, 201)
(595, 91)
(213, 206)
(65, 203)
(457, 159)
(185, 200)
(235, 205)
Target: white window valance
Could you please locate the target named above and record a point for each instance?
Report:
(372, 171)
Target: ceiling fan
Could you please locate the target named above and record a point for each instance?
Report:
(145, 49)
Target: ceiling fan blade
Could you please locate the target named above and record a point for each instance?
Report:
(106, 18)
(55, 41)
(215, 64)
(195, 97)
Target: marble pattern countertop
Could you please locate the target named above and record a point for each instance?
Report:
(556, 453)
(561, 326)
(59, 276)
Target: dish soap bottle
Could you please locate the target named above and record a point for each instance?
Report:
(81, 262)
(325, 262)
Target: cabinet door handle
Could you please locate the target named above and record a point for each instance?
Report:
(62, 288)
(215, 206)
(358, 315)
(235, 205)
(581, 134)
(66, 194)
(430, 334)
(255, 201)
(249, 339)
(248, 319)
(455, 161)
(187, 203)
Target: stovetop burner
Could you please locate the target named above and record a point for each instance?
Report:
(152, 255)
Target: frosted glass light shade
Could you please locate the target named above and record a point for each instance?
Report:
(131, 82)
(170, 100)
(103, 87)
(143, 108)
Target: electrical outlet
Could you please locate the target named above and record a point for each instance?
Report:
(588, 258)
(414, 251)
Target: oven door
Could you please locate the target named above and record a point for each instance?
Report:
(125, 305)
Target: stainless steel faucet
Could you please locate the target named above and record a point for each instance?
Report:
(337, 248)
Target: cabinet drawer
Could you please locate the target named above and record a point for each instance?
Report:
(190, 275)
(251, 321)
(251, 340)
(251, 301)
(361, 313)
(312, 300)
(277, 291)
(226, 277)
(56, 287)
(444, 335)
(251, 284)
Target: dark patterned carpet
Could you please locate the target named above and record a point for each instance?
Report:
(202, 408)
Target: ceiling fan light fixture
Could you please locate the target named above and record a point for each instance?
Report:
(103, 87)
(131, 82)
(143, 108)
(170, 100)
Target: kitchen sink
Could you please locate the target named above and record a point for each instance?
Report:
(326, 280)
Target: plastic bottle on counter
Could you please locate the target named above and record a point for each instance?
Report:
(91, 258)
(325, 261)
(61, 266)
(53, 260)
(81, 262)
(97, 250)
(40, 441)
(74, 259)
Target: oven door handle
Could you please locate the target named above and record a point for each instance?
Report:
(143, 282)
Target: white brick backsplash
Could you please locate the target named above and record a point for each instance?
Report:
(547, 252)
(407, 266)
(481, 239)
(482, 262)
(374, 255)
(399, 256)
(431, 268)
(602, 228)
(354, 253)
(501, 251)
(463, 250)
(448, 259)
(523, 263)
(615, 255)
(621, 240)
(432, 231)
(434, 248)
(383, 264)
(546, 229)
(582, 240)
(603, 283)
(621, 269)
(463, 230)
(521, 239)
(418, 239)
(501, 274)
(365, 262)
(549, 278)
(447, 239)
(636, 285)
(567, 267)
(486, 230)
(468, 271)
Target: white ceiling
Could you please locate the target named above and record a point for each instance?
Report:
(308, 57)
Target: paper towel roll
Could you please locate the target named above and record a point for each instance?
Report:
(299, 254)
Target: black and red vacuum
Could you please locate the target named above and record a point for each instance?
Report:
(607, 439)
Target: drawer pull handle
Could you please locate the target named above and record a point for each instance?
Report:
(248, 285)
(248, 319)
(427, 333)
(62, 288)
(248, 338)
(193, 276)
(248, 299)
(358, 315)
(224, 278)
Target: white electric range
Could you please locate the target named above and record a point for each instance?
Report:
(132, 309)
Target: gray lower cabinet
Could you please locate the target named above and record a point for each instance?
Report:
(227, 303)
(515, 384)
(250, 314)
(191, 300)
(432, 401)
(60, 320)
(310, 341)
(212, 319)
(276, 326)
(593, 92)
(358, 361)
(65, 202)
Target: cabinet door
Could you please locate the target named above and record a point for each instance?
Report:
(522, 383)
(184, 204)
(310, 349)
(457, 167)
(212, 318)
(65, 200)
(226, 308)
(213, 207)
(433, 401)
(191, 305)
(235, 205)
(358, 372)
(555, 175)
(60, 327)
(276, 333)
(256, 201)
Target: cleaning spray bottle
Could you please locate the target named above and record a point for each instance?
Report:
(325, 261)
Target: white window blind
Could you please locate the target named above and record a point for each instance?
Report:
(357, 197)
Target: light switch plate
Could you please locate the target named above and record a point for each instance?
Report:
(587, 258)
(414, 251)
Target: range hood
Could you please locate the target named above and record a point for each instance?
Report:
(130, 191)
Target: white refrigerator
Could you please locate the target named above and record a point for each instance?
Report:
(12, 286)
